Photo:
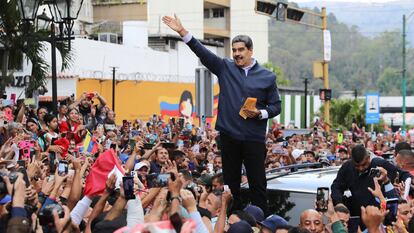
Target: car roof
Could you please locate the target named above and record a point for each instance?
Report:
(304, 181)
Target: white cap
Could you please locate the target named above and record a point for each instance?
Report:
(140, 165)
(296, 153)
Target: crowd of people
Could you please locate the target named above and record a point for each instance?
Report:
(169, 174)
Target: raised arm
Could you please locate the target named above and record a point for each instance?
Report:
(209, 59)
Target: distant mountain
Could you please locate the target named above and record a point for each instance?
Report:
(371, 18)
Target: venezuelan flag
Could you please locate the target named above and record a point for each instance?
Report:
(89, 144)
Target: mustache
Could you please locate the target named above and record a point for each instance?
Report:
(238, 57)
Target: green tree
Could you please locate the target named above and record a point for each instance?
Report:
(280, 76)
(18, 38)
(344, 111)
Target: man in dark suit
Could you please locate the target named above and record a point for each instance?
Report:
(242, 140)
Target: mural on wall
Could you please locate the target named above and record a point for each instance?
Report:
(182, 107)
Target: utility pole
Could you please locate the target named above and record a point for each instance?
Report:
(54, 75)
(404, 73)
(113, 87)
(325, 72)
(355, 93)
(306, 102)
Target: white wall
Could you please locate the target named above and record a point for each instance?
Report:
(189, 11)
(245, 21)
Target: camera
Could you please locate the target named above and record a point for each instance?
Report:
(46, 214)
(374, 172)
(12, 177)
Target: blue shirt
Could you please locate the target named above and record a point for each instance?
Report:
(236, 85)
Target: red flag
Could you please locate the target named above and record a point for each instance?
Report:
(64, 143)
(106, 164)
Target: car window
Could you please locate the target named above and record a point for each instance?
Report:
(288, 205)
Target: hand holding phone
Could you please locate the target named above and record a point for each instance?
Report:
(63, 168)
(374, 172)
(128, 185)
(322, 199)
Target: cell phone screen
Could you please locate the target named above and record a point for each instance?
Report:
(157, 180)
(128, 184)
(322, 198)
(62, 168)
(392, 207)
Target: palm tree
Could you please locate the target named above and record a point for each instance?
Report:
(17, 38)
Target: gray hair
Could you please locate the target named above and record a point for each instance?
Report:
(245, 39)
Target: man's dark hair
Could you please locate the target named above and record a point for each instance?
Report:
(219, 177)
(358, 153)
(245, 39)
(341, 208)
(186, 174)
(177, 153)
(402, 146)
(245, 216)
(406, 154)
(402, 201)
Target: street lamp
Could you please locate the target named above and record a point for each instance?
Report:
(404, 69)
(28, 9)
(64, 12)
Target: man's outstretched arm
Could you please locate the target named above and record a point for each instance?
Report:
(209, 59)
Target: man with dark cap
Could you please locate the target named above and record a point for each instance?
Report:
(272, 222)
(240, 227)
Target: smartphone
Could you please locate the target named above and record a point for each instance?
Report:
(172, 119)
(128, 184)
(397, 178)
(148, 146)
(226, 188)
(181, 122)
(63, 168)
(353, 223)
(25, 177)
(21, 163)
(374, 172)
(168, 145)
(157, 180)
(154, 117)
(285, 144)
(132, 143)
(52, 165)
(392, 207)
(322, 198)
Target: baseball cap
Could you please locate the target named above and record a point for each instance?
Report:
(140, 165)
(273, 221)
(240, 227)
(296, 153)
(255, 212)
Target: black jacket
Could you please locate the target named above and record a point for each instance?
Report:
(348, 178)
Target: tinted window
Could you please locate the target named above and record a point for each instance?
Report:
(288, 205)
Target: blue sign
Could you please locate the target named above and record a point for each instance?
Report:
(372, 108)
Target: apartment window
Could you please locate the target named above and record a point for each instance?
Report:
(206, 13)
(218, 13)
